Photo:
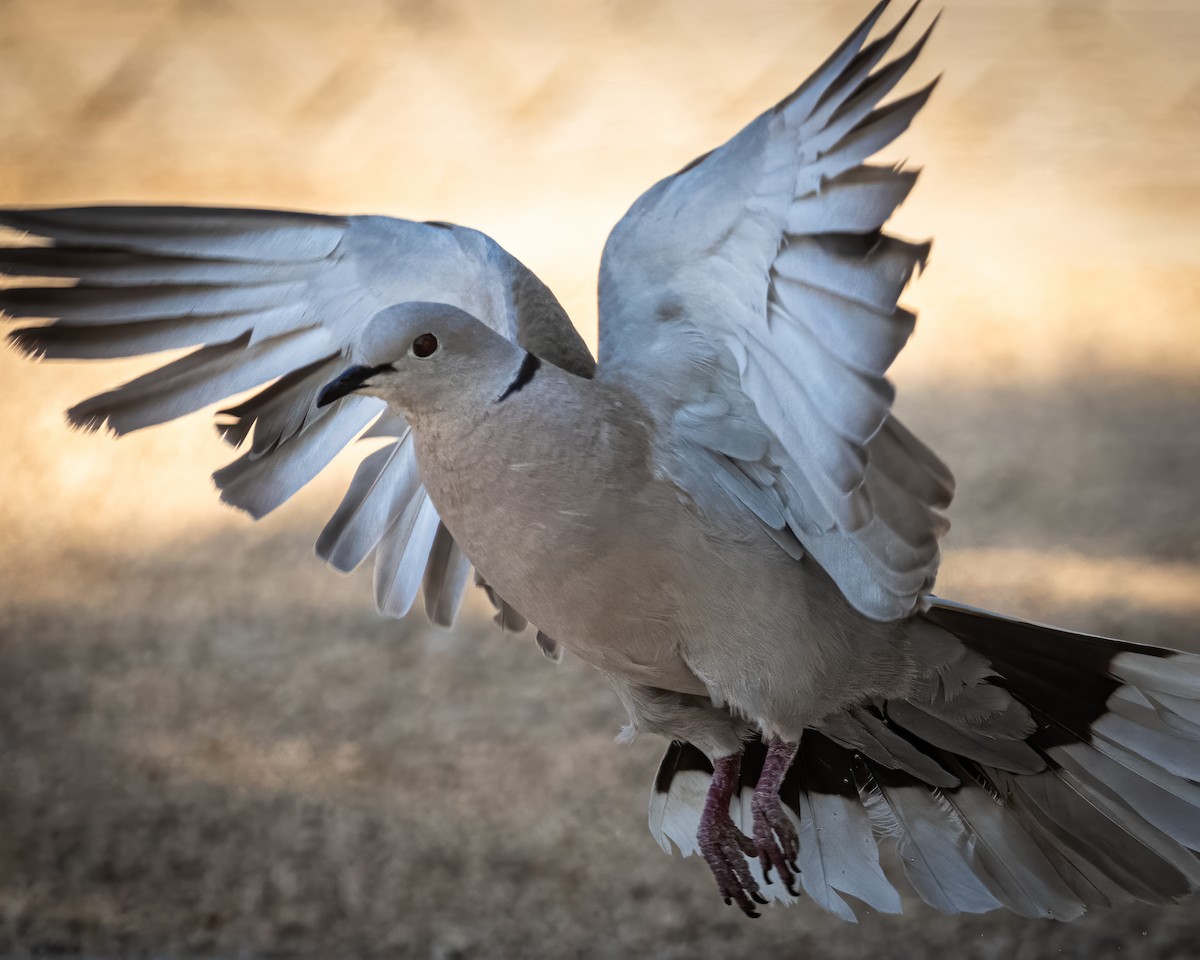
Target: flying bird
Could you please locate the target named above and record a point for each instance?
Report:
(722, 514)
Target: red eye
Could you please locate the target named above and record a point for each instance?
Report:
(424, 345)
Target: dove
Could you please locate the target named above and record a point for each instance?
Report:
(721, 513)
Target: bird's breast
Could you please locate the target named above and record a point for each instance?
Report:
(561, 514)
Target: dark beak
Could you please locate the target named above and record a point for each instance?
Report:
(348, 382)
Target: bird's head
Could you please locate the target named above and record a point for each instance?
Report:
(425, 358)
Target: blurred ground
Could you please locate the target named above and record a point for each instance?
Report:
(209, 746)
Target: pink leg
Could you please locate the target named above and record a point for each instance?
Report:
(722, 844)
(774, 836)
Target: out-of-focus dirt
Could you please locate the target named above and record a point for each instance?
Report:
(212, 747)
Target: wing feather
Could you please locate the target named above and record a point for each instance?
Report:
(760, 275)
(199, 379)
(384, 484)
(446, 579)
(260, 484)
(403, 556)
(858, 201)
(274, 300)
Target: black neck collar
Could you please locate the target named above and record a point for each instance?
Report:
(529, 366)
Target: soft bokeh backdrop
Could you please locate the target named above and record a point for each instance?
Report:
(209, 746)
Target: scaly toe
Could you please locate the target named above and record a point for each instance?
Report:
(725, 848)
(775, 840)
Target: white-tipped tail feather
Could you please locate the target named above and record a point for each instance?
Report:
(1093, 803)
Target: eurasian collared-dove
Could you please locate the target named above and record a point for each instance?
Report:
(723, 516)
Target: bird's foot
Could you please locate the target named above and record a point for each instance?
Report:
(723, 846)
(725, 849)
(775, 837)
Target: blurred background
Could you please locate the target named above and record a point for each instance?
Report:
(210, 746)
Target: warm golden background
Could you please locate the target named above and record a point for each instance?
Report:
(209, 746)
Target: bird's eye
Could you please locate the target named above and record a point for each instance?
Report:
(425, 345)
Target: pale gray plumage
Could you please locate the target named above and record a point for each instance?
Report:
(719, 248)
(268, 296)
(727, 519)
(838, 852)
(934, 846)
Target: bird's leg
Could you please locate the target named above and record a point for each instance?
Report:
(722, 844)
(774, 836)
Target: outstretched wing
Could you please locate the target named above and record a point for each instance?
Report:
(750, 300)
(276, 298)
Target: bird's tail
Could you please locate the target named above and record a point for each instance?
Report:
(1061, 774)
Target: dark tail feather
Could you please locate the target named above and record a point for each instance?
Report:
(1108, 812)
